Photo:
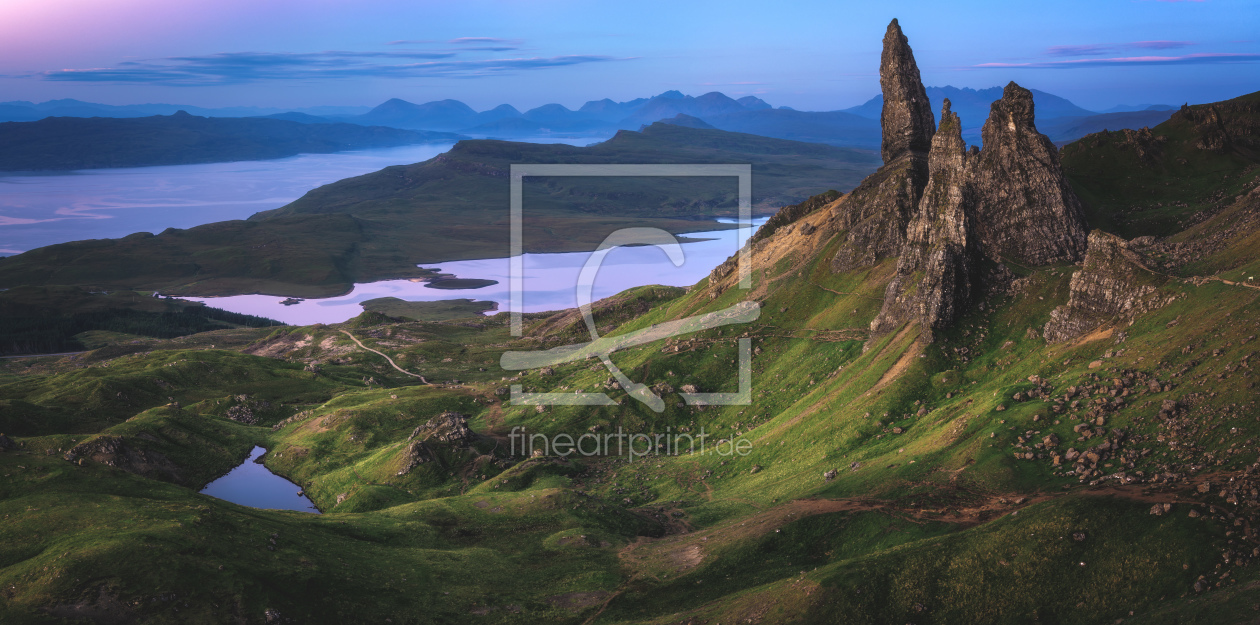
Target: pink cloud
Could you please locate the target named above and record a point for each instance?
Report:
(1202, 58)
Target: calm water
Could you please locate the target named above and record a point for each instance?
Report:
(550, 280)
(251, 484)
(42, 209)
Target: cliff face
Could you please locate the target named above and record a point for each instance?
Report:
(875, 215)
(1223, 127)
(1025, 210)
(935, 273)
(1114, 284)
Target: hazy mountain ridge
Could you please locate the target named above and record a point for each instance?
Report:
(65, 143)
(25, 111)
(853, 127)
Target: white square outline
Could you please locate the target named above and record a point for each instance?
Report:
(518, 172)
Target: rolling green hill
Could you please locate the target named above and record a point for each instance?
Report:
(889, 480)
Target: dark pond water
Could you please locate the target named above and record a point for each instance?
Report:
(253, 485)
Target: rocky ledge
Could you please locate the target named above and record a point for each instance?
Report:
(1115, 284)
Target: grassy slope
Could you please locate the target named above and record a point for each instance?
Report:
(440, 310)
(1158, 185)
(940, 523)
(921, 543)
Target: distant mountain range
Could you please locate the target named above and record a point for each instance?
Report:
(857, 127)
(853, 127)
(64, 143)
(1057, 117)
(22, 111)
(972, 105)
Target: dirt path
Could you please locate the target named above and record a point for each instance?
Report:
(877, 299)
(387, 358)
(41, 355)
(1229, 282)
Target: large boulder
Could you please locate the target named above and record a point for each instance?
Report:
(447, 429)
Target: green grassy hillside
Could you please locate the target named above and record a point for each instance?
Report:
(987, 476)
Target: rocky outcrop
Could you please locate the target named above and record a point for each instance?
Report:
(6, 443)
(875, 215)
(448, 429)
(115, 451)
(416, 454)
(935, 273)
(1025, 210)
(1222, 127)
(246, 410)
(906, 118)
(787, 216)
(1114, 284)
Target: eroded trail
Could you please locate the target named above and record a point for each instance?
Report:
(387, 358)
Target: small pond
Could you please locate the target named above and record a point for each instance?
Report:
(252, 484)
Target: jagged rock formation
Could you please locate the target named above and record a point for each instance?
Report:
(1115, 284)
(935, 273)
(951, 216)
(449, 428)
(1024, 208)
(876, 213)
(1007, 202)
(906, 118)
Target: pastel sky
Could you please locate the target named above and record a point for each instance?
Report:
(810, 55)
